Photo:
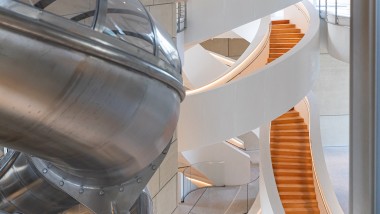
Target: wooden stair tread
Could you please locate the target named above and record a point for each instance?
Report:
(282, 45)
(279, 50)
(297, 131)
(283, 40)
(293, 164)
(282, 26)
(285, 156)
(290, 138)
(302, 210)
(298, 193)
(287, 35)
(296, 185)
(301, 205)
(285, 30)
(298, 201)
(284, 21)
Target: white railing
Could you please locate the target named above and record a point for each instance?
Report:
(269, 197)
(308, 109)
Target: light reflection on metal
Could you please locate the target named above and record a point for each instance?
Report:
(93, 105)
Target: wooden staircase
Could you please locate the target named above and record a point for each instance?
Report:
(292, 163)
(283, 37)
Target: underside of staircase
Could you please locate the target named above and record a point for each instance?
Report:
(284, 36)
(292, 163)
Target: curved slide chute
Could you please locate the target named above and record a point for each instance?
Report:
(89, 101)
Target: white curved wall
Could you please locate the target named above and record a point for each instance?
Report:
(269, 197)
(338, 42)
(243, 105)
(201, 68)
(253, 58)
(321, 174)
(209, 18)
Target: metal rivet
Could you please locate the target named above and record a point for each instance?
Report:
(45, 171)
(101, 192)
(121, 189)
(81, 190)
(154, 167)
(61, 183)
(139, 180)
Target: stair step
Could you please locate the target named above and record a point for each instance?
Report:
(286, 156)
(287, 35)
(291, 159)
(287, 165)
(282, 26)
(295, 187)
(285, 30)
(275, 55)
(294, 126)
(301, 205)
(300, 139)
(288, 202)
(294, 152)
(288, 120)
(302, 210)
(291, 113)
(283, 40)
(282, 45)
(290, 146)
(293, 180)
(297, 195)
(275, 22)
(278, 50)
(303, 132)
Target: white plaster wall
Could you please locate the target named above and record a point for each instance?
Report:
(201, 68)
(338, 42)
(323, 36)
(296, 16)
(209, 18)
(248, 31)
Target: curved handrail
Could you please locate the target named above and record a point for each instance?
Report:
(188, 176)
(307, 109)
(253, 52)
(185, 194)
(269, 196)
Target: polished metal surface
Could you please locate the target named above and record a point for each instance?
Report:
(24, 190)
(143, 204)
(94, 108)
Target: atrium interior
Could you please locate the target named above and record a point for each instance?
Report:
(189, 106)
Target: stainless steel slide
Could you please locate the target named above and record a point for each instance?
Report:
(89, 99)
